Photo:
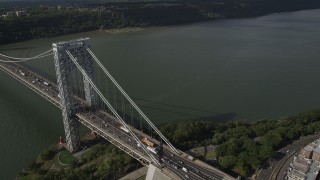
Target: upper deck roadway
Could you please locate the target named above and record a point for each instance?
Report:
(108, 127)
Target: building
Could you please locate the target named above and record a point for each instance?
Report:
(21, 13)
(15, 14)
(11, 14)
(306, 165)
(296, 175)
(316, 154)
(307, 151)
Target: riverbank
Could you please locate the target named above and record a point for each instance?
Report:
(236, 147)
(99, 161)
(123, 30)
(241, 147)
(73, 19)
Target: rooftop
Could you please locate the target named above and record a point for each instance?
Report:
(313, 171)
(302, 160)
(317, 150)
(308, 148)
(299, 167)
(313, 144)
(303, 168)
(295, 173)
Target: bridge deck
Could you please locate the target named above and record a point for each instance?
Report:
(107, 127)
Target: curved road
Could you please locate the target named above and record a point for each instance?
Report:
(277, 166)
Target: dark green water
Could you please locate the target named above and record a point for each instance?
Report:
(265, 67)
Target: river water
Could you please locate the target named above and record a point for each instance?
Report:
(256, 68)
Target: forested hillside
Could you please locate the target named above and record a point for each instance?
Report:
(48, 20)
(243, 147)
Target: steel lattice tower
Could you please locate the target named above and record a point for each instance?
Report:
(64, 67)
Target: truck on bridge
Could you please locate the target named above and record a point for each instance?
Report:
(147, 142)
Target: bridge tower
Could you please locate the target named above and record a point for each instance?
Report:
(64, 67)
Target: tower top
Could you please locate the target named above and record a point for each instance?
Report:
(71, 44)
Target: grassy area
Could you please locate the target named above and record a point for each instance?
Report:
(66, 157)
(101, 161)
(211, 155)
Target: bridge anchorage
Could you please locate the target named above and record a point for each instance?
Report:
(96, 109)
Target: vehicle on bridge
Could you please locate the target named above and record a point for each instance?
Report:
(22, 73)
(124, 129)
(147, 142)
(46, 83)
(152, 149)
(138, 144)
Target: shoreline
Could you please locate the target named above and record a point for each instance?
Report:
(122, 30)
(116, 31)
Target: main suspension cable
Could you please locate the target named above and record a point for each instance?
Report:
(34, 57)
(26, 59)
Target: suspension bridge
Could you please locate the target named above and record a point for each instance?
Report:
(87, 93)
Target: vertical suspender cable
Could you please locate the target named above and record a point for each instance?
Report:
(132, 102)
(111, 108)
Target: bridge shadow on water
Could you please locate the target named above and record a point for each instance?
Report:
(175, 113)
(219, 118)
(145, 101)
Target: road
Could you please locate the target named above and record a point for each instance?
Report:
(110, 125)
(275, 168)
(281, 170)
(170, 160)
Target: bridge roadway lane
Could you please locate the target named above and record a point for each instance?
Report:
(32, 81)
(200, 171)
(172, 159)
(112, 127)
(36, 83)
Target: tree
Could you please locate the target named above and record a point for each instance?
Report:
(273, 139)
(249, 145)
(48, 154)
(265, 152)
(228, 161)
(34, 165)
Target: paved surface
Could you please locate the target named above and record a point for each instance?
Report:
(111, 128)
(201, 150)
(136, 174)
(282, 168)
(171, 161)
(277, 165)
(156, 174)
